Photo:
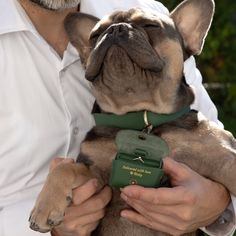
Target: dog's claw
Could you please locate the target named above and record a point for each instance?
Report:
(69, 199)
(56, 221)
(34, 226)
(50, 222)
(43, 220)
(47, 212)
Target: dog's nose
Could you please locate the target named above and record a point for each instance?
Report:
(119, 29)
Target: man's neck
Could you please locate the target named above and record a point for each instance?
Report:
(49, 24)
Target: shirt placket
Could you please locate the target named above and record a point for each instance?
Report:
(74, 110)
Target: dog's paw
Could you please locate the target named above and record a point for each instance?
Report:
(49, 210)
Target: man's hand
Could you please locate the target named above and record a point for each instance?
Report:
(87, 209)
(193, 202)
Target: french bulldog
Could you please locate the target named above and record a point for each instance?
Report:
(134, 60)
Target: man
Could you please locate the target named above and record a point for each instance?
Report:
(45, 105)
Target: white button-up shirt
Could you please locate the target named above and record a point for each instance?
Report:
(45, 106)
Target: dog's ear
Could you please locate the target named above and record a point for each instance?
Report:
(193, 19)
(78, 27)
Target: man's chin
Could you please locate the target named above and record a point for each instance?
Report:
(56, 5)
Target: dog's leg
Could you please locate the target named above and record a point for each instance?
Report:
(217, 160)
(219, 167)
(224, 170)
(56, 195)
(208, 150)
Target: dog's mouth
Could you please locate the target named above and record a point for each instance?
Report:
(122, 43)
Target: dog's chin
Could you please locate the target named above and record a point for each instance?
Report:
(113, 63)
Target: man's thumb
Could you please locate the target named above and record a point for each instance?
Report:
(174, 170)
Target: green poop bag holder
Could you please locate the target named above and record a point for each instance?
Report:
(138, 160)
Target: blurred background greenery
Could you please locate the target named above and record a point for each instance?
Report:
(217, 62)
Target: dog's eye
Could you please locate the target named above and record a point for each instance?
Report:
(94, 36)
(152, 26)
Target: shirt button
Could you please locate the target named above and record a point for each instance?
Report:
(75, 130)
(62, 72)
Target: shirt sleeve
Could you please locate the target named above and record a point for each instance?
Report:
(14, 219)
(226, 223)
(202, 101)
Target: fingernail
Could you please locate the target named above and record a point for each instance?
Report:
(94, 182)
(123, 214)
(124, 197)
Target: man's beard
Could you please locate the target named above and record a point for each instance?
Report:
(56, 5)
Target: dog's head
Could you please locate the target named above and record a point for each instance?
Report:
(135, 58)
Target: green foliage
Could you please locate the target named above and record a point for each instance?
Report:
(217, 62)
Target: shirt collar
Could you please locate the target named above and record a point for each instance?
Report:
(13, 18)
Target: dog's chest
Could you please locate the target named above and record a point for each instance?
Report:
(99, 149)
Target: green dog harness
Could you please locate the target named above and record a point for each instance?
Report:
(139, 156)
